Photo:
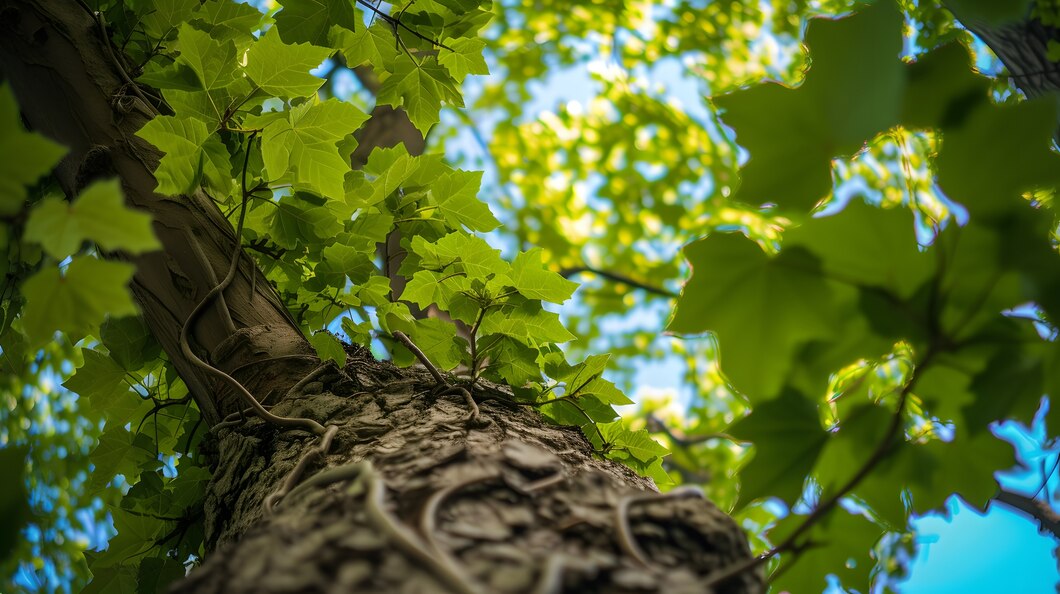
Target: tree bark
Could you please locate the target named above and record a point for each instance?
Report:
(515, 506)
(411, 498)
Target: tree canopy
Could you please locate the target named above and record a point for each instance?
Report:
(845, 247)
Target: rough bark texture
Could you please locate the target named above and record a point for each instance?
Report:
(53, 55)
(515, 506)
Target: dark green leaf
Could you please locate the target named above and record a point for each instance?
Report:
(14, 500)
(76, 302)
(788, 438)
(761, 307)
(309, 20)
(851, 93)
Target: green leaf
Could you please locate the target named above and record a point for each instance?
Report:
(24, 156)
(166, 16)
(420, 89)
(119, 452)
(788, 438)
(510, 360)
(99, 215)
(133, 530)
(129, 341)
(295, 222)
(528, 323)
(282, 70)
(437, 339)
(213, 62)
(376, 291)
(457, 196)
(637, 444)
(584, 379)
(227, 20)
(1010, 386)
(358, 333)
(428, 287)
(1053, 53)
(373, 45)
(471, 254)
(866, 245)
(156, 575)
(391, 168)
(309, 20)
(859, 435)
(191, 152)
(14, 500)
(465, 57)
(1000, 151)
(943, 90)
(762, 308)
(533, 280)
(304, 147)
(328, 348)
(339, 262)
(394, 317)
(100, 383)
(944, 386)
(852, 91)
(966, 466)
(117, 579)
(841, 546)
(76, 302)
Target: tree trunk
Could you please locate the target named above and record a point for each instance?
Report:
(411, 498)
(64, 73)
(515, 506)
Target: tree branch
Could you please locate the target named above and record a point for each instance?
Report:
(618, 278)
(1041, 511)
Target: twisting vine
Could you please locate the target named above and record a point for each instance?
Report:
(446, 388)
(185, 346)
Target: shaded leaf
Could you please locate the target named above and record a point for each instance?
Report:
(99, 215)
(788, 438)
(761, 307)
(77, 301)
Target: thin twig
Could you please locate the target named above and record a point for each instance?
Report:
(679, 438)
(1041, 511)
(791, 542)
(396, 22)
(618, 278)
(405, 340)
